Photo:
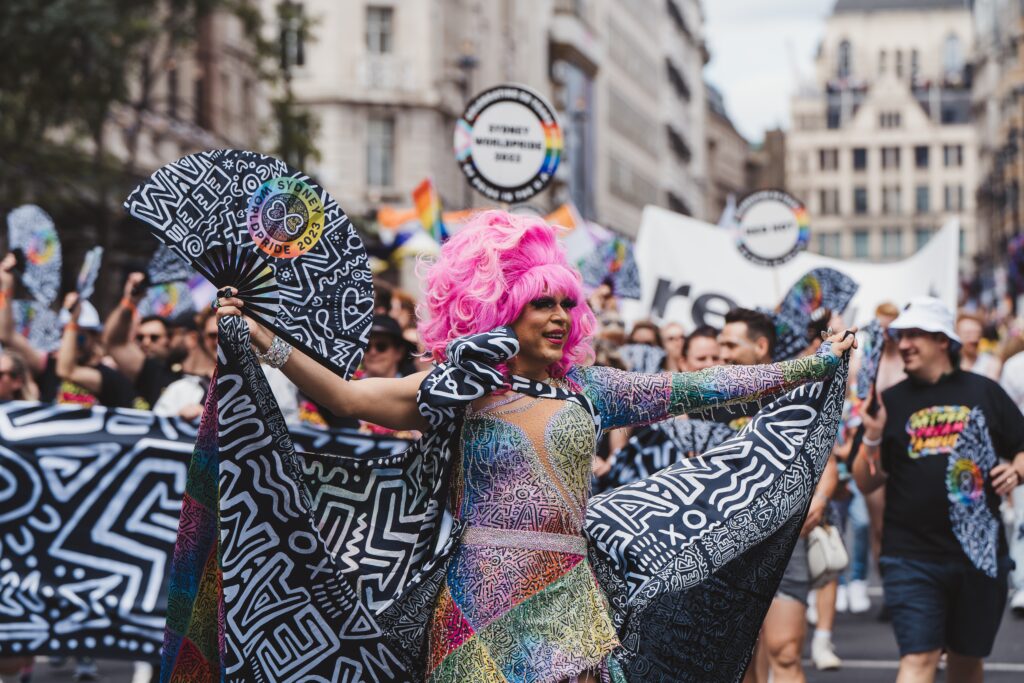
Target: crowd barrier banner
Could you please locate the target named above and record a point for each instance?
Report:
(89, 506)
(691, 272)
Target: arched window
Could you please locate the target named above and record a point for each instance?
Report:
(845, 60)
(952, 57)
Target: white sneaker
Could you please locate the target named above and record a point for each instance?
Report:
(823, 655)
(858, 597)
(812, 607)
(842, 599)
(1017, 602)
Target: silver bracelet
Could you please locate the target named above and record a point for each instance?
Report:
(277, 355)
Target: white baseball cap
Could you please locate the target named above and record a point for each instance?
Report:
(88, 317)
(929, 314)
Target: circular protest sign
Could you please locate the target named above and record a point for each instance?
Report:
(508, 143)
(771, 227)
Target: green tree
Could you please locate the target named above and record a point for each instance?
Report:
(67, 66)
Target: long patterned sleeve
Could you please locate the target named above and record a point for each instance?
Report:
(631, 398)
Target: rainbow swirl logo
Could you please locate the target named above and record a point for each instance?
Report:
(964, 482)
(285, 217)
(41, 247)
(508, 143)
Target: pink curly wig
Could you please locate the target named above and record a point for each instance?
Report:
(488, 272)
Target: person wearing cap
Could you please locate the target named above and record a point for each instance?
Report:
(388, 351)
(946, 444)
(160, 352)
(77, 373)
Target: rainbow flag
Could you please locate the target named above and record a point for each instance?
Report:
(428, 207)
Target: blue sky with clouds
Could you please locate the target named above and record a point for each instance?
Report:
(753, 47)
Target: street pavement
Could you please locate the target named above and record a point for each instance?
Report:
(865, 644)
(868, 650)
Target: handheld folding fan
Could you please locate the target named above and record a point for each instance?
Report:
(31, 230)
(819, 289)
(86, 284)
(249, 221)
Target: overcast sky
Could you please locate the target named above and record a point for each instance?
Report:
(753, 46)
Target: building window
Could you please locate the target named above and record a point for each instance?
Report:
(954, 198)
(952, 58)
(828, 159)
(892, 243)
(845, 59)
(921, 156)
(861, 243)
(953, 155)
(380, 151)
(921, 236)
(915, 66)
(379, 30)
(891, 200)
(860, 158)
(899, 64)
(881, 62)
(293, 49)
(922, 199)
(890, 157)
(860, 200)
(889, 119)
(828, 202)
(828, 244)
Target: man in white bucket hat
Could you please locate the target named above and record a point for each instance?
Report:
(947, 444)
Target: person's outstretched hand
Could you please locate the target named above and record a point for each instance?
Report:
(843, 341)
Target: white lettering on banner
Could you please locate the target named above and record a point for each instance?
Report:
(691, 272)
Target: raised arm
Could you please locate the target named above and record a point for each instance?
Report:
(626, 398)
(68, 368)
(390, 403)
(118, 329)
(9, 337)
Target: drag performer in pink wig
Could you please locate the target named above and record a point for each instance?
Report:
(518, 599)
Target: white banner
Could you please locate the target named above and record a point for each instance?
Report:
(691, 272)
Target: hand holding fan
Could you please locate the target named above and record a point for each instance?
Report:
(249, 221)
(819, 289)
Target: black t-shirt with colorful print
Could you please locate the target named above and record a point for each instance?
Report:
(932, 484)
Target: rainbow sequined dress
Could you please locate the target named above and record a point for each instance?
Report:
(520, 600)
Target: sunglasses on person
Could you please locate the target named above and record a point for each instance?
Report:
(381, 345)
(8, 374)
(212, 336)
(140, 338)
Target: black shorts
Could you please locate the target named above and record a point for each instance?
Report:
(948, 604)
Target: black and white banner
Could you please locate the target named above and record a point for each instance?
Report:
(89, 507)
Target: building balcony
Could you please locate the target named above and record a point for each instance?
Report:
(571, 37)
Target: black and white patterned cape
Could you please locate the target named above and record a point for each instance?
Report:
(336, 580)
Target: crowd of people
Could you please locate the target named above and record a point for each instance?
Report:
(875, 483)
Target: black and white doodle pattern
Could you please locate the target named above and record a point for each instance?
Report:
(873, 335)
(819, 289)
(225, 212)
(31, 230)
(642, 357)
(86, 284)
(166, 266)
(89, 503)
(659, 546)
(967, 470)
(655, 447)
(37, 323)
